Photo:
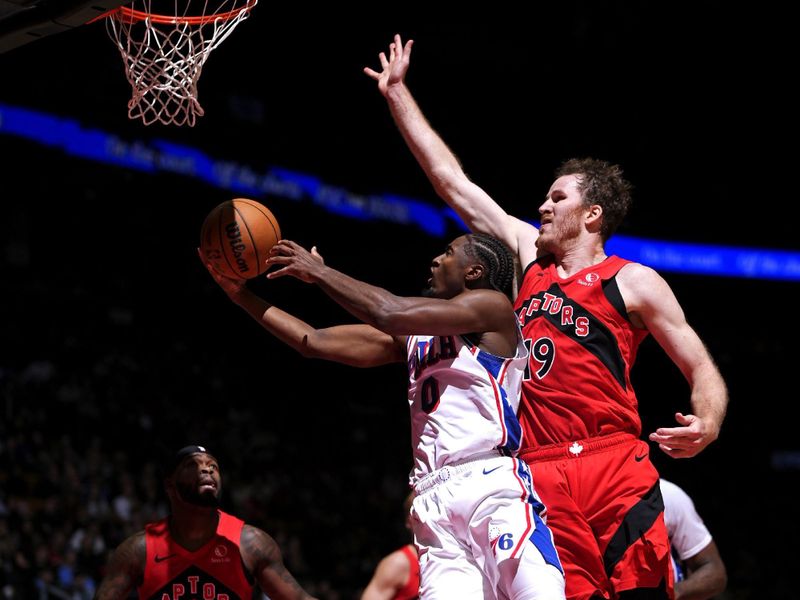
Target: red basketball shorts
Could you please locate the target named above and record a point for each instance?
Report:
(605, 510)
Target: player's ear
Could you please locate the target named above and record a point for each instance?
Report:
(594, 218)
(474, 273)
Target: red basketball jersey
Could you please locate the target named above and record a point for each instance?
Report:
(410, 591)
(214, 572)
(582, 347)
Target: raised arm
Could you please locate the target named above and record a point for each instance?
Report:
(479, 310)
(652, 304)
(125, 569)
(478, 210)
(264, 560)
(356, 345)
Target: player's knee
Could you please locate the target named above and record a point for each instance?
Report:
(526, 579)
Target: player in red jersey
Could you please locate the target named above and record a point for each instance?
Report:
(397, 575)
(198, 551)
(583, 315)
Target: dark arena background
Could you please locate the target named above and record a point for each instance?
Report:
(118, 347)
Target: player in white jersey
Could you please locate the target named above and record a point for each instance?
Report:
(469, 490)
(699, 571)
(476, 518)
(449, 378)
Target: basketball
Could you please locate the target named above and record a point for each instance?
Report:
(236, 237)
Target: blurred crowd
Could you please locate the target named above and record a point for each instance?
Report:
(72, 488)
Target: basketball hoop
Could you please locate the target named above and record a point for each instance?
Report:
(164, 54)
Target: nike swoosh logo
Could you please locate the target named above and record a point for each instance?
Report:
(485, 472)
(163, 558)
(640, 458)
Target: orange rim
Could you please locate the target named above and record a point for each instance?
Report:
(129, 15)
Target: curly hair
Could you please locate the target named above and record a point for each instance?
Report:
(602, 183)
(496, 258)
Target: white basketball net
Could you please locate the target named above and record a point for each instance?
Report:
(164, 54)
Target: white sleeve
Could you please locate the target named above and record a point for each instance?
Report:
(687, 532)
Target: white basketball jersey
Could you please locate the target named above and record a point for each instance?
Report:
(463, 401)
(688, 534)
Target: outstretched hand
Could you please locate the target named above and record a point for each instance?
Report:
(685, 441)
(295, 261)
(232, 287)
(395, 68)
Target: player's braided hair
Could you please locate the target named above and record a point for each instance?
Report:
(495, 257)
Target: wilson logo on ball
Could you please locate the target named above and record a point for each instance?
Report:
(237, 247)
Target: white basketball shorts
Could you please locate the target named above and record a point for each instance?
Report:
(479, 527)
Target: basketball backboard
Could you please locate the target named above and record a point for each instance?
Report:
(24, 21)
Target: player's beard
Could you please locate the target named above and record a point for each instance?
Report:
(556, 239)
(191, 495)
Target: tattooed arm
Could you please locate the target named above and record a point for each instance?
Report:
(125, 569)
(264, 560)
